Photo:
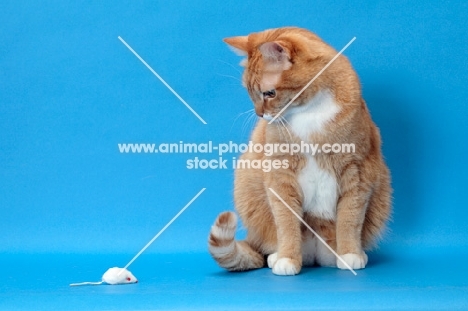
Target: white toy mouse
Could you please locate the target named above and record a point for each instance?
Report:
(113, 276)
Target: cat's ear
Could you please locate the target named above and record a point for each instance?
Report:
(238, 44)
(274, 51)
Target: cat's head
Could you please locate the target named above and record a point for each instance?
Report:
(279, 63)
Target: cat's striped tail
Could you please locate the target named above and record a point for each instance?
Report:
(231, 254)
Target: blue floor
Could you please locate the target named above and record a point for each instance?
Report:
(435, 279)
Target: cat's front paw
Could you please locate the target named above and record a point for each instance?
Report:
(272, 259)
(286, 266)
(355, 261)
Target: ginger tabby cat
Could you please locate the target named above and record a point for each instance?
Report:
(344, 197)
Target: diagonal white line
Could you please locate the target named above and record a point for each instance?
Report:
(313, 79)
(315, 233)
(162, 80)
(162, 230)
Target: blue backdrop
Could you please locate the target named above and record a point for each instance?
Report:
(71, 91)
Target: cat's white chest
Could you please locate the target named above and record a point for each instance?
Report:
(320, 190)
(319, 187)
(313, 117)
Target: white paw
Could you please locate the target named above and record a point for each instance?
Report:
(272, 259)
(355, 261)
(285, 266)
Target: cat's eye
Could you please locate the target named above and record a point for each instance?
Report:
(269, 94)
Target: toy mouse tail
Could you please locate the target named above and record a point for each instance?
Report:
(86, 283)
(231, 254)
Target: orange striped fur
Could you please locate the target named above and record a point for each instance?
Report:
(346, 198)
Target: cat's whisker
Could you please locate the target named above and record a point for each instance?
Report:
(242, 113)
(282, 119)
(230, 65)
(248, 123)
(244, 125)
(287, 122)
(238, 116)
(281, 132)
(228, 76)
(253, 121)
(280, 126)
(278, 130)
